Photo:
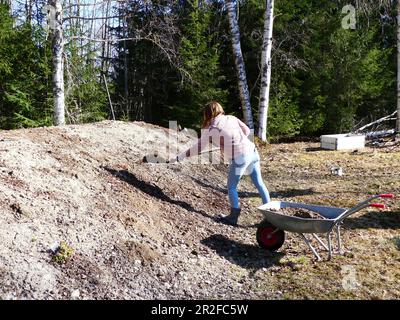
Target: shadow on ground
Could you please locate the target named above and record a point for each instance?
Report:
(244, 255)
(396, 241)
(312, 149)
(152, 190)
(224, 190)
(288, 193)
(374, 219)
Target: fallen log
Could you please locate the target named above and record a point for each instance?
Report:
(379, 134)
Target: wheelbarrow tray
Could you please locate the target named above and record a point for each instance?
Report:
(282, 221)
(271, 231)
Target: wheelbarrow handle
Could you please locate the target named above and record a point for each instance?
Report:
(378, 205)
(365, 204)
(386, 195)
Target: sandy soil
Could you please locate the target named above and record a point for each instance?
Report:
(135, 230)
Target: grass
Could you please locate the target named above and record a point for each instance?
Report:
(371, 237)
(63, 254)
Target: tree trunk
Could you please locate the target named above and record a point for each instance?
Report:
(28, 9)
(58, 64)
(266, 70)
(104, 50)
(239, 63)
(398, 69)
(126, 87)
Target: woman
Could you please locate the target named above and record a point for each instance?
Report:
(231, 136)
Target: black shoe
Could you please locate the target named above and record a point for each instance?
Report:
(232, 218)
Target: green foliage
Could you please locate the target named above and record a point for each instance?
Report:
(349, 73)
(145, 80)
(5, 35)
(25, 87)
(325, 79)
(26, 97)
(63, 254)
(377, 83)
(199, 52)
(22, 103)
(86, 96)
(283, 114)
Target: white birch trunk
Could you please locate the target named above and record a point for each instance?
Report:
(266, 70)
(58, 64)
(398, 69)
(28, 8)
(239, 63)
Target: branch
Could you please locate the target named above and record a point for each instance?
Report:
(139, 38)
(93, 4)
(386, 118)
(97, 18)
(104, 40)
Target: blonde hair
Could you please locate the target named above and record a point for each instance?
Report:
(210, 111)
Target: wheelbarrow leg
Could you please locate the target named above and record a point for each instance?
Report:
(339, 239)
(310, 246)
(320, 242)
(329, 246)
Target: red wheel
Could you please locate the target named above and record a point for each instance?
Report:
(269, 237)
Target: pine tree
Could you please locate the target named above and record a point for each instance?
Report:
(25, 71)
(199, 51)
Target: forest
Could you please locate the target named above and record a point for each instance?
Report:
(332, 64)
(102, 199)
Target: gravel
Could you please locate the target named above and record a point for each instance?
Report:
(136, 230)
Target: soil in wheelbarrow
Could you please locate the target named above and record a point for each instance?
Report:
(299, 212)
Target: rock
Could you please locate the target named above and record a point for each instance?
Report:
(338, 171)
(75, 294)
(19, 210)
(54, 247)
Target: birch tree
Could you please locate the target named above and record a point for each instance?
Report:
(29, 10)
(266, 70)
(239, 63)
(58, 64)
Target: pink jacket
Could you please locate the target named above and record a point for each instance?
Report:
(226, 132)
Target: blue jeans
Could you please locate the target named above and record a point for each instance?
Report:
(248, 164)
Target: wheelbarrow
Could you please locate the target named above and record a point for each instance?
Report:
(271, 231)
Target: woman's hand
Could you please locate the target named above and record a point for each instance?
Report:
(173, 160)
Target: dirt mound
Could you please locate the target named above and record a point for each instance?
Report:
(82, 217)
(135, 229)
(300, 212)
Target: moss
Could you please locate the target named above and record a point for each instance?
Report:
(63, 253)
(295, 262)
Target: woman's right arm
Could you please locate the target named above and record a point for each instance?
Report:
(198, 147)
